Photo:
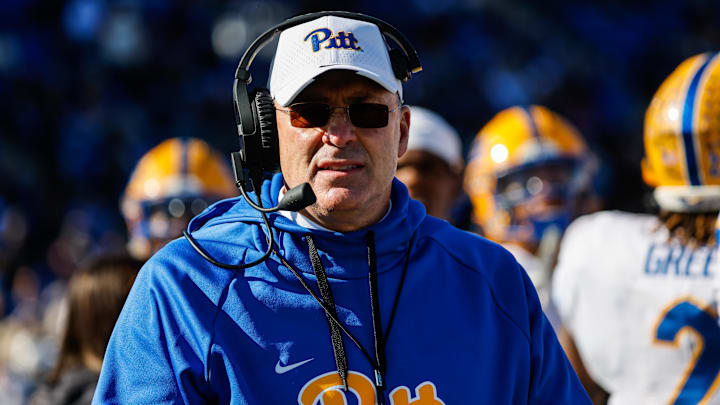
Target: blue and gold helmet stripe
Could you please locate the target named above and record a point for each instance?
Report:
(688, 125)
(531, 121)
(184, 161)
(535, 133)
(184, 147)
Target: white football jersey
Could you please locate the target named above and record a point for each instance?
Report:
(539, 273)
(642, 311)
(535, 269)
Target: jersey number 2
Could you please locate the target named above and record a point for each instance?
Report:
(701, 376)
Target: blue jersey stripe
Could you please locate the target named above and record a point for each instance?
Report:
(688, 127)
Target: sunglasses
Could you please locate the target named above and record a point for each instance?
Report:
(362, 115)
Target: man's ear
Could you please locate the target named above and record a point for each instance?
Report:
(404, 130)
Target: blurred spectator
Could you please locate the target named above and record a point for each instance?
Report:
(172, 183)
(96, 295)
(30, 332)
(432, 166)
(25, 350)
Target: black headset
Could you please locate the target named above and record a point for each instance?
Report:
(255, 112)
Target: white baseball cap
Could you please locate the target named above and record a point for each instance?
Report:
(307, 50)
(429, 132)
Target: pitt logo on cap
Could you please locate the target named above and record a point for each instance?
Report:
(340, 40)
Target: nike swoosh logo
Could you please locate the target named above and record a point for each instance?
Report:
(280, 369)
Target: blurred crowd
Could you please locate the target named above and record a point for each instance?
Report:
(91, 86)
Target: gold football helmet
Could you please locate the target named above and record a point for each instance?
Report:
(526, 167)
(171, 183)
(682, 137)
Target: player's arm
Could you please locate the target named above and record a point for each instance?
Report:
(597, 394)
(553, 379)
(567, 277)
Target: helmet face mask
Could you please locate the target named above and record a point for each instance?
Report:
(176, 207)
(168, 217)
(527, 169)
(536, 198)
(551, 180)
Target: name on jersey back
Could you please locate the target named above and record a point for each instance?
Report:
(676, 260)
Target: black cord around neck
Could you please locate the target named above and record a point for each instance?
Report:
(325, 307)
(335, 335)
(378, 337)
(378, 364)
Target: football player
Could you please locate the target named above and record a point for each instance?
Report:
(171, 183)
(529, 174)
(635, 292)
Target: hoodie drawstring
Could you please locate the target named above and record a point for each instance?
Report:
(379, 364)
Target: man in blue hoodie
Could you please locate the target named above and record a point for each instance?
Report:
(365, 298)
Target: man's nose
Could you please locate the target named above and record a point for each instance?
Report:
(340, 130)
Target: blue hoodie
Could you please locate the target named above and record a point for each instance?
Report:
(468, 326)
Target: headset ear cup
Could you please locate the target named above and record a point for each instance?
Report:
(400, 65)
(265, 108)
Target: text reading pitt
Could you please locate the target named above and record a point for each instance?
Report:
(340, 40)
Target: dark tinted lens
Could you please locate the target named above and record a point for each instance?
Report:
(308, 115)
(368, 115)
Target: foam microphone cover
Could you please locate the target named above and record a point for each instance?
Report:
(297, 198)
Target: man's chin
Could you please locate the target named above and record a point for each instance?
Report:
(340, 199)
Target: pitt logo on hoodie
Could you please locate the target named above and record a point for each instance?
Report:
(327, 389)
(341, 40)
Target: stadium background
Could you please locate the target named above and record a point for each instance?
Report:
(88, 86)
